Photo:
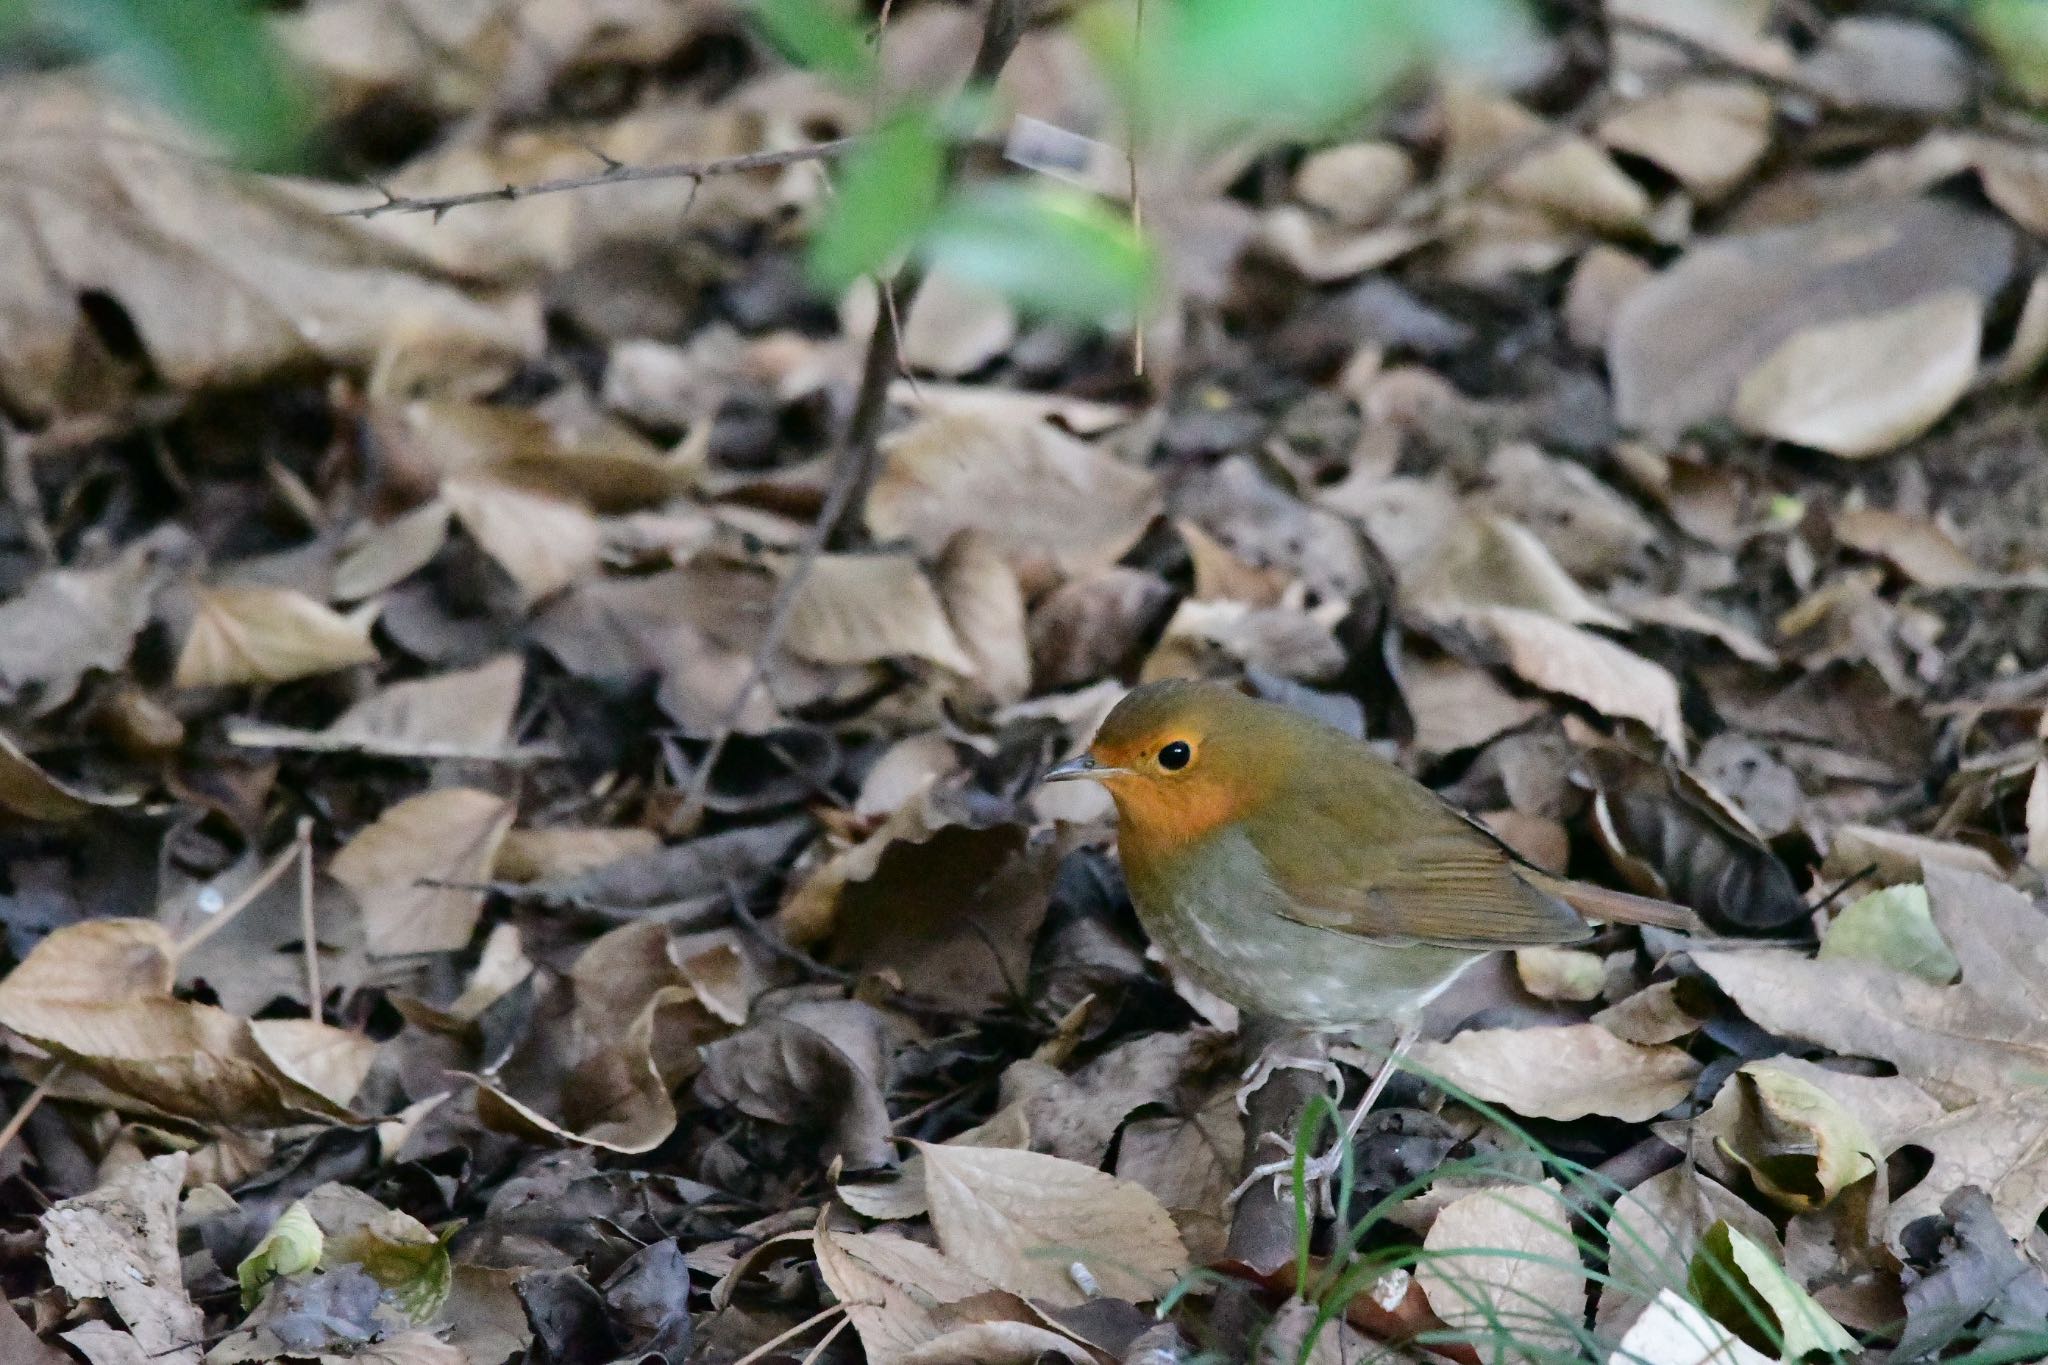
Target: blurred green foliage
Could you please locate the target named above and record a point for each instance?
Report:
(1207, 69)
(2016, 31)
(212, 62)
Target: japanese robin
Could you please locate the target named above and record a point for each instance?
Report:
(1294, 872)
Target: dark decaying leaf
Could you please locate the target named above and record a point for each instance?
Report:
(571, 1322)
(1675, 837)
(1975, 1282)
(649, 1297)
(784, 1071)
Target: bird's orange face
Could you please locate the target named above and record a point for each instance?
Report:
(1173, 763)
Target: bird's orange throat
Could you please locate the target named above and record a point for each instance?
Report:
(1155, 817)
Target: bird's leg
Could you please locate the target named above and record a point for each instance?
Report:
(1319, 1171)
(1276, 1057)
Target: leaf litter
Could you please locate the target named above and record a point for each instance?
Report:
(682, 960)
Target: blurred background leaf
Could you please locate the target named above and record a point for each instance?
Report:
(817, 35)
(1050, 250)
(2016, 31)
(888, 190)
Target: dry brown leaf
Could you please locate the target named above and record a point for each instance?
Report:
(1191, 1163)
(97, 996)
(1457, 706)
(821, 1069)
(1046, 500)
(28, 790)
(531, 855)
(1654, 1233)
(1205, 638)
(375, 558)
(1491, 561)
(1603, 278)
(893, 1288)
(985, 604)
(261, 636)
(864, 608)
(1864, 385)
(1557, 657)
(1896, 65)
(1022, 1220)
(1732, 28)
(224, 279)
(953, 328)
(1505, 1258)
(1652, 1015)
(1977, 1040)
(1674, 1331)
(1999, 1145)
(544, 543)
(1560, 973)
(1356, 183)
(1708, 133)
(999, 1343)
(1917, 548)
(67, 623)
(449, 836)
(1562, 1071)
(1683, 344)
(120, 1243)
(563, 450)
(1569, 175)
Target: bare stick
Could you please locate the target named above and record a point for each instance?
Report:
(614, 173)
(791, 1334)
(1137, 198)
(309, 935)
(19, 1118)
(264, 881)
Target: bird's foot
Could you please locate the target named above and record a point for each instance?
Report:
(1273, 1059)
(1318, 1173)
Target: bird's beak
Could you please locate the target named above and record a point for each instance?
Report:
(1084, 768)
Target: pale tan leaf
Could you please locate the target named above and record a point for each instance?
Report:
(1979, 1039)
(1045, 499)
(1492, 561)
(1022, 1220)
(1356, 183)
(28, 790)
(891, 1286)
(545, 543)
(2037, 816)
(1675, 1332)
(381, 557)
(999, 1343)
(1562, 1071)
(531, 855)
(268, 635)
(985, 604)
(1568, 175)
(120, 1243)
(97, 996)
(468, 709)
(564, 449)
(1504, 1258)
(223, 278)
(1708, 133)
(1562, 658)
(448, 836)
(1865, 385)
(860, 609)
(953, 328)
(1560, 973)
(68, 623)
(1999, 1145)
(1918, 548)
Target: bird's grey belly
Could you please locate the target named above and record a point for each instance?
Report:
(1243, 949)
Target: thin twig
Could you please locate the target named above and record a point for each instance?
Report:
(247, 897)
(1137, 198)
(19, 1118)
(309, 935)
(614, 173)
(790, 1334)
(775, 944)
(812, 1356)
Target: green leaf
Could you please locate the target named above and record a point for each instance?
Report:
(1048, 249)
(2016, 31)
(1299, 65)
(291, 1247)
(1743, 1287)
(817, 35)
(888, 191)
(211, 61)
(1893, 928)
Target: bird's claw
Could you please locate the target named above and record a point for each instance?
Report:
(1317, 1172)
(1259, 1072)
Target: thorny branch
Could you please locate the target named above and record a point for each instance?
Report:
(614, 173)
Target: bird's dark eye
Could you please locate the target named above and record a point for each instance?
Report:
(1175, 756)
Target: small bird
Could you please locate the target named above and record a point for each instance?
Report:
(1294, 872)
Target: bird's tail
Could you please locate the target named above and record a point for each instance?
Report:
(1620, 907)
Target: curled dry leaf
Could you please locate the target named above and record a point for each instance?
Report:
(1867, 384)
(985, 604)
(120, 1243)
(1975, 1040)
(97, 996)
(1568, 175)
(1045, 500)
(417, 871)
(1557, 657)
(30, 791)
(68, 623)
(260, 636)
(1491, 561)
(544, 543)
(1504, 1260)
(1708, 133)
(782, 1070)
(861, 609)
(1799, 1144)
(1562, 1072)
(1917, 548)
(1024, 1220)
(1685, 343)
(895, 1290)
(464, 714)
(1654, 1232)
(223, 278)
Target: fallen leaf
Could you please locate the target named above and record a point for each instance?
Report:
(1044, 499)
(120, 1243)
(1709, 134)
(1558, 657)
(1504, 1260)
(1745, 1288)
(544, 543)
(417, 871)
(1561, 1071)
(1683, 344)
(67, 623)
(98, 997)
(985, 604)
(1567, 175)
(1023, 1219)
(1980, 1274)
(893, 1289)
(1893, 928)
(1972, 1041)
(861, 609)
(1675, 1332)
(1653, 1234)
(1999, 1145)
(464, 714)
(1356, 183)
(28, 790)
(1864, 385)
(782, 1070)
(268, 635)
(1916, 547)
(532, 855)
(224, 279)
(375, 558)
(1799, 1144)
(1560, 973)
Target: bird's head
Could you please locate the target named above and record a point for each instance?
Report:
(1181, 758)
